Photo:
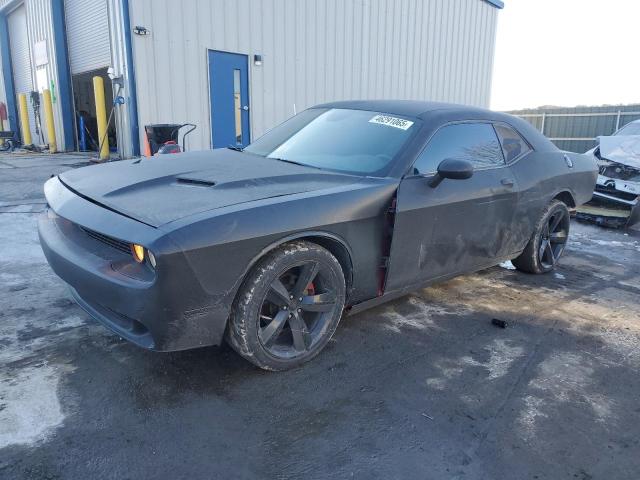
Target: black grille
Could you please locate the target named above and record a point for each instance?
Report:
(107, 240)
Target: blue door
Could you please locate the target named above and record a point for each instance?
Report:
(229, 94)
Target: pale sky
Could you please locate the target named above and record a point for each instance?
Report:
(567, 53)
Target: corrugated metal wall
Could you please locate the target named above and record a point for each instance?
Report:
(581, 125)
(119, 63)
(21, 57)
(313, 51)
(3, 91)
(40, 27)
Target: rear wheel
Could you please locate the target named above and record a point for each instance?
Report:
(548, 241)
(288, 307)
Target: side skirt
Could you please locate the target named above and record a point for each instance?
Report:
(395, 294)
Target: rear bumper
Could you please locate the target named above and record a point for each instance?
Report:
(131, 299)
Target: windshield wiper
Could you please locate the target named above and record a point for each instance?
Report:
(286, 160)
(236, 148)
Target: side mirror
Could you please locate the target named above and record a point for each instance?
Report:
(454, 169)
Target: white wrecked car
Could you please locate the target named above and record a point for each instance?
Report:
(618, 158)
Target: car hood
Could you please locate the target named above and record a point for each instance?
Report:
(624, 149)
(165, 188)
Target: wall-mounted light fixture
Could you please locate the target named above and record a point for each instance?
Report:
(139, 30)
(257, 60)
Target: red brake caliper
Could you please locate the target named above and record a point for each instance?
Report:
(311, 289)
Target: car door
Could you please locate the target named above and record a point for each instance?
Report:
(458, 225)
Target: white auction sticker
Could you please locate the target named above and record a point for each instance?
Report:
(394, 122)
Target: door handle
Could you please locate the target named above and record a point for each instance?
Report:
(507, 182)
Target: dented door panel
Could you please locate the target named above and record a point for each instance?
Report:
(454, 227)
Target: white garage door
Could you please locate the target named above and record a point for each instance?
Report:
(20, 59)
(87, 35)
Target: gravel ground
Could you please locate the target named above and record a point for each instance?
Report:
(423, 387)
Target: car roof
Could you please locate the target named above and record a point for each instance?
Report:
(409, 108)
(435, 114)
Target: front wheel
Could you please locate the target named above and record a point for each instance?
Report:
(547, 243)
(288, 307)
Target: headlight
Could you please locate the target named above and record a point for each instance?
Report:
(138, 252)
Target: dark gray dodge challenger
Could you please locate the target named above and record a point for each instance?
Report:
(340, 208)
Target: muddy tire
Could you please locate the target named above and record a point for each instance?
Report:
(546, 245)
(288, 307)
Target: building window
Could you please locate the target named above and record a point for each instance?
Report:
(237, 105)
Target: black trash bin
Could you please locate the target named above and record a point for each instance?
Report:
(159, 134)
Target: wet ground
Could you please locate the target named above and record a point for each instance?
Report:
(424, 387)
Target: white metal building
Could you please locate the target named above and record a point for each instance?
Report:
(237, 68)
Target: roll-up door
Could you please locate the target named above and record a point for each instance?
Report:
(20, 58)
(87, 27)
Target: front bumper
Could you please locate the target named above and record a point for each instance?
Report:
(617, 191)
(147, 308)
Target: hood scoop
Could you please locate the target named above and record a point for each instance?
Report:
(195, 182)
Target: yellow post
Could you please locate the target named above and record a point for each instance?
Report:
(24, 119)
(48, 118)
(101, 117)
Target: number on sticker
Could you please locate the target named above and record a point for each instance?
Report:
(394, 122)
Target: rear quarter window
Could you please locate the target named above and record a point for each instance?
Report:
(513, 145)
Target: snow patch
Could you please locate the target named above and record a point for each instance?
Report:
(29, 406)
(562, 378)
(22, 237)
(500, 358)
(15, 349)
(11, 279)
(530, 414)
(421, 319)
(609, 243)
(436, 383)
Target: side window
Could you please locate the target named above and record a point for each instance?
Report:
(512, 143)
(475, 142)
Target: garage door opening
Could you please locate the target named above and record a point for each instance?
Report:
(85, 111)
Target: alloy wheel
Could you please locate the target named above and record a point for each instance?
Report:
(297, 310)
(553, 239)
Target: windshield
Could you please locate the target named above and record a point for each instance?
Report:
(630, 129)
(353, 141)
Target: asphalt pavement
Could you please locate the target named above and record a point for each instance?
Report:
(424, 387)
